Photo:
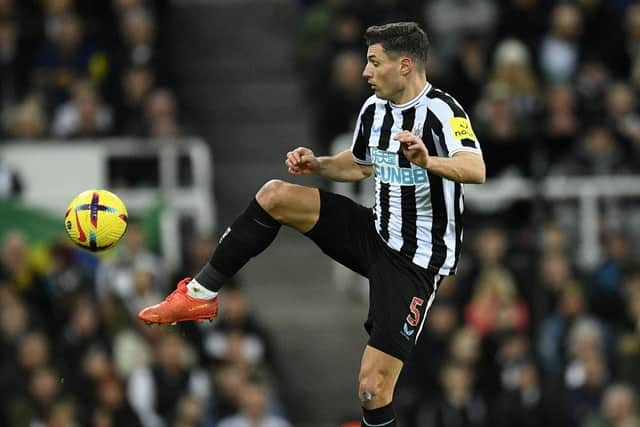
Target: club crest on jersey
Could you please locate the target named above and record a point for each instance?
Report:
(417, 131)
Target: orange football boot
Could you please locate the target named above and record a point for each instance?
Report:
(180, 307)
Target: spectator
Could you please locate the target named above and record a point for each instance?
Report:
(629, 58)
(161, 115)
(14, 69)
(419, 383)
(599, 16)
(561, 123)
(55, 12)
(32, 353)
(490, 248)
(597, 153)
(43, 393)
(512, 68)
(502, 138)
(628, 342)
(27, 120)
(495, 306)
(63, 414)
(139, 47)
(524, 20)
(619, 408)
(66, 58)
(556, 275)
(155, 391)
(190, 412)
(447, 24)
(587, 374)
(344, 95)
(623, 118)
(137, 84)
(81, 334)
(459, 402)
(510, 101)
(315, 31)
(469, 71)
(571, 307)
(528, 403)
(16, 269)
(228, 381)
(253, 409)
(560, 49)
(84, 116)
(606, 293)
(14, 322)
(112, 403)
(10, 183)
(237, 326)
(344, 36)
(67, 280)
(93, 368)
(129, 280)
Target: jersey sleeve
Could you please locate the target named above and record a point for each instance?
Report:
(360, 145)
(456, 128)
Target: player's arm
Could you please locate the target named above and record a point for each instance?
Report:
(340, 167)
(464, 167)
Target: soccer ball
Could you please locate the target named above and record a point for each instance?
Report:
(96, 220)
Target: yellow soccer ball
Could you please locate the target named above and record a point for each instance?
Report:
(96, 220)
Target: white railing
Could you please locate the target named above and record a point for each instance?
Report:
(53, 172)
(587, 191)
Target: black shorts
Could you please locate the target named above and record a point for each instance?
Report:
(400, 291)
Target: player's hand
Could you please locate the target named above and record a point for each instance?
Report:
(413, 148)
(301, 161)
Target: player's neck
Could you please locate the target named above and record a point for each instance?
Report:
(411, 90)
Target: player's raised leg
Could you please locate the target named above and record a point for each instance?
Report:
(276, 203)
(379, 373)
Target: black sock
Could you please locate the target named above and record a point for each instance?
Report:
(251, 233)
(379, 417)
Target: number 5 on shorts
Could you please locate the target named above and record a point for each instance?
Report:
(413, 318)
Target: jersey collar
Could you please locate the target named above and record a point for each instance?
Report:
(414, 101)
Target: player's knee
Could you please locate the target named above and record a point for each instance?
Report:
(375, 389)
(272, 195)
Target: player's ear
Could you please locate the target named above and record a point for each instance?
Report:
(406, 65)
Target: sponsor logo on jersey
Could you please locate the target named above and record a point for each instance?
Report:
(461, 129)
(400, 176)
(385, 166)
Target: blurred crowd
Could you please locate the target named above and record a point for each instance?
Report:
(85, 69)
(524, 335)
(519, 340)
(539, 78)
(73, 352)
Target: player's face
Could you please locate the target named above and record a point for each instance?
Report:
(382, 72)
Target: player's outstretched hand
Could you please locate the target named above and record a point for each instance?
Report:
(301, 161)
(413, 148)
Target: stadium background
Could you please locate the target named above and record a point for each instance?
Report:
(185, 108)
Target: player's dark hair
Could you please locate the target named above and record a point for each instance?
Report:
(401, 38)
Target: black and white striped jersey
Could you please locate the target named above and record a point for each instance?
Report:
(416, 212)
